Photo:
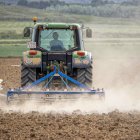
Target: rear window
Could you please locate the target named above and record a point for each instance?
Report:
(57, 39)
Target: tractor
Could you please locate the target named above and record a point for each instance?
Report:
(56, 61)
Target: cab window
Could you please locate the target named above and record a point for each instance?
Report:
(57, 39)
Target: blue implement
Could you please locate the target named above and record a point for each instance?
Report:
(83, 89)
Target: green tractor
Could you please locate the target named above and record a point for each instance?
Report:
(56, 44)
(56, 67)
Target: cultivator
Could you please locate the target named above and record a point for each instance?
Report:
(47, 93)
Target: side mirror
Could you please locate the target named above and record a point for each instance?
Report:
(88, 33)
(27, 31)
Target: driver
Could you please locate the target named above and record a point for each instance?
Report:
(56, 44)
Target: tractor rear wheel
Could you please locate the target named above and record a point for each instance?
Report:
(28, 75)
(84, 76)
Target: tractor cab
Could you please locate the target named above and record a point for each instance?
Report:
(57, 37)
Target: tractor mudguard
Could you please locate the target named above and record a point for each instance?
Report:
(81, 59)
(32, 58)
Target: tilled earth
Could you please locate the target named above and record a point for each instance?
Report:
(10, 73)
(112, 126)
(34, 125)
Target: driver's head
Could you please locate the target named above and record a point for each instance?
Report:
(55, 35)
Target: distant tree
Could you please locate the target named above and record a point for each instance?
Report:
(135, 2)
(131, 2)
(97, 2)
(22, 2)
(40, 4)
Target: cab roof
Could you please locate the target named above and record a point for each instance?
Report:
(58, 25)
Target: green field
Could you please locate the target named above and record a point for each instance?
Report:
(105, 36)
(14, 50)
(108, 33)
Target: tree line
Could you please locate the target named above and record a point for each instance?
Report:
(94, 3)
(40, 4)
(103, 8)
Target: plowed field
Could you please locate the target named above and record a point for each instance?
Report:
(78, 126)
(33, 125)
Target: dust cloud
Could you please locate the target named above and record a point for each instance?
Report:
(120, 79)
(119, 100)
(117, 70)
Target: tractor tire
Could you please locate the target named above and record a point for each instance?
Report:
(84, 76)
(28, 75)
